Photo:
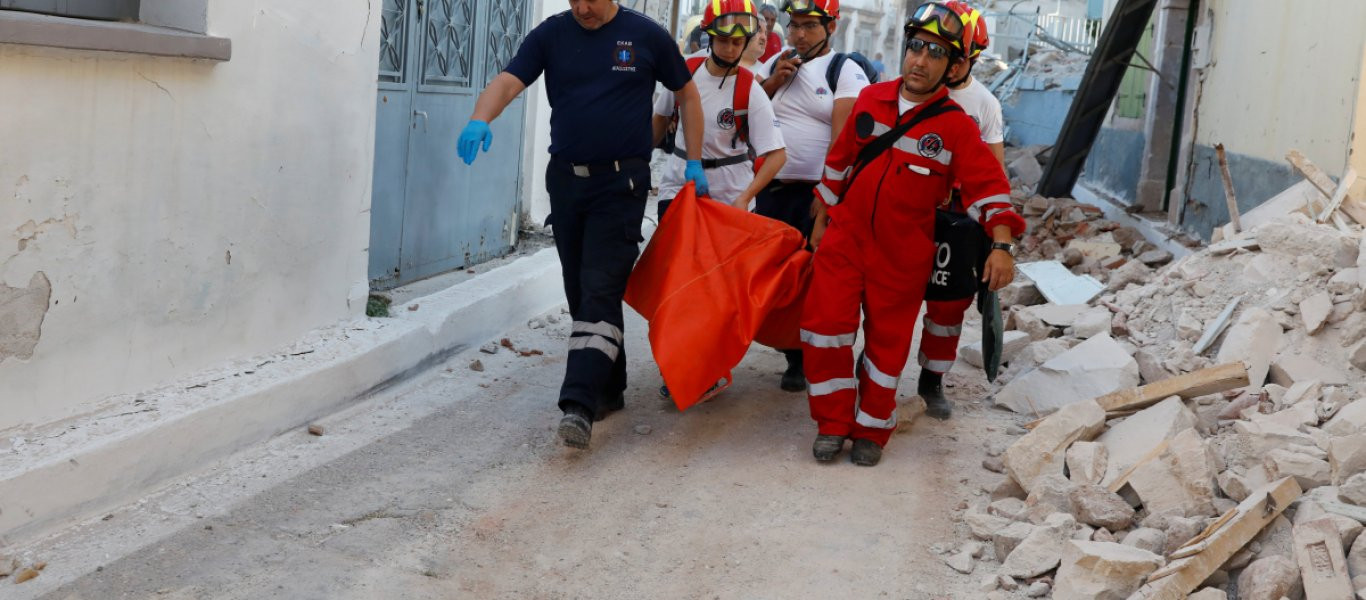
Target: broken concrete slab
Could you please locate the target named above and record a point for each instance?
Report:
(1253, 339)
(1094, 505)
(1128, 441)
(1314, 311)
(1180, 480)
(1026, 170)
(1091, 369)
(1040, 352)
(1147, 538)
(1086, 462)
(1102, 571)
(1059, 285)
(1092, 323)
(1353, 490)
(1020, 293)
(1041, 551)
(1289, 368)
(1043, 450)
(984, 525)
(1012, 343)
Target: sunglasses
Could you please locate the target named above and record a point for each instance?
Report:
(936, 50)
(803, 7)
(734, 25)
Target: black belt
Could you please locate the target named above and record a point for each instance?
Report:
(604, 167)
(714, 163)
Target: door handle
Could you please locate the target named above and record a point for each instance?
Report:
(423, 114)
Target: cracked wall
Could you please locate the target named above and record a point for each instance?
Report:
(21, 316)
(128, 181)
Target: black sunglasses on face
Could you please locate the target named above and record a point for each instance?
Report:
(937, 51)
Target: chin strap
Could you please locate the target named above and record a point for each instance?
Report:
(728, 65)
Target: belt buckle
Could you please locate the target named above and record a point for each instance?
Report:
(581, 171)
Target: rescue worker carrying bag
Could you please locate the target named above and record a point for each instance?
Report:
(960, 242)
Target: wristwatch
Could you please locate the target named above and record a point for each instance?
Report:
(1007, 246)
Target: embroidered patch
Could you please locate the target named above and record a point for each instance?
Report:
(726, 119)
(820, 91)
(625, 57)
(931, 145)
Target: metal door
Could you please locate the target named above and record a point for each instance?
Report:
(430, 212)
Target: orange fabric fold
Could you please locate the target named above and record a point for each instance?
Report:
(712, 280)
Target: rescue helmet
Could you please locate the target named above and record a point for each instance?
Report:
(937, 19)
(826, 9)
(730, 18)
(974, 27)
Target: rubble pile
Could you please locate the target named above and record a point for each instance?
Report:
(1197, 427)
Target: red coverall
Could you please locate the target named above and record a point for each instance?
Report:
(878, 250)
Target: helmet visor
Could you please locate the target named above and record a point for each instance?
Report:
(939, 20)
(804, 7)
(734, 25)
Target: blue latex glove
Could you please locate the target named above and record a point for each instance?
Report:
(695, 173)
(474, 133)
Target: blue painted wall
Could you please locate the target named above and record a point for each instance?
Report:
(1115, 162)
(1255, 181)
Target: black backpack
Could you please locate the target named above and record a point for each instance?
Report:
(832, 73)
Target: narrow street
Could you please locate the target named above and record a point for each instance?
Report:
(466, 493)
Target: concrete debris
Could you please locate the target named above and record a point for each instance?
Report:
(1040, 551)
(1090, 369)
(1086, 462)
(1147, 538)
(1043, 451)
(1253, 339)
(1038, 589)
(1012, 343)
(1287, 370)
(1270, 578)
(1097, 506)
(1102, 571)
(1004, 541)
(1314, 310)
(1308, 471)
(961, 562)
(1129, 441)
(1180, 480)
(477, 366)
(1209, 594)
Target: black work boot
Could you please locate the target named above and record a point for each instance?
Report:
(794, 378)
(931, 388)
(576, 426)
(827, 447)
(866, 453)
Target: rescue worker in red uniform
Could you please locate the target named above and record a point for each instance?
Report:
(943, 323)
(876, 244)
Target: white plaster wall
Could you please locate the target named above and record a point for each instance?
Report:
(130, 180)
(536, 144)
(1283, 77)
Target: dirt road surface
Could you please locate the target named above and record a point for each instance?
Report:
(455, 487)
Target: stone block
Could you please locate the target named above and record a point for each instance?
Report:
(1346, 457)
(1012, 343)
(1005, 540)
(1133, 438)
(1099, 507)
(984, 525)
(1314, 311)
(1308, 471)
(1180, 480)
(1043, 450)
(1270, 578)
(1353, 490)
(1086, 462)
(1254, 339)
(1102, 571)
(1349, 420)
(1089, 370)
(1040, 551)
(1288, 369)
(1147, 538)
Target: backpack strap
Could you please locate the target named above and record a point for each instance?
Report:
(744, 81)
(832, 72)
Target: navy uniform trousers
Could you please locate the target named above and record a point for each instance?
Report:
(596, 212)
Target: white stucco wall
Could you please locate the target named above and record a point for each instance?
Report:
(1274, 85)
(186, 212)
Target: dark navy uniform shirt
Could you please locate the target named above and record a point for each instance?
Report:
(600, 83)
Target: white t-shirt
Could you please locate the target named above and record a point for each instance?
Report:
(804, 108)
(984, 108)
(728, 182)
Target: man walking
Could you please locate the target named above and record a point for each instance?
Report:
(601, 62)
(906, 144)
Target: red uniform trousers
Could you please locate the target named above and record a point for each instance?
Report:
(853, 271)
(939, 337)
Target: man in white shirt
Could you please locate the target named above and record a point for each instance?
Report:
(811, 115)
(727, 137)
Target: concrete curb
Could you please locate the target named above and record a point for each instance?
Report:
(68, 479)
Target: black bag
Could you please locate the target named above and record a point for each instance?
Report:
(959, 257)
